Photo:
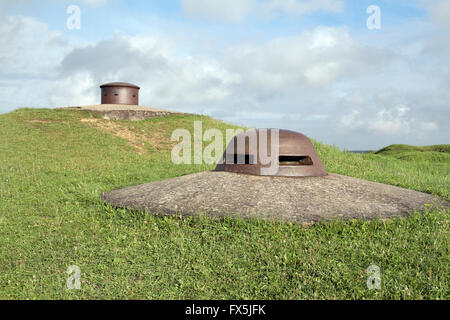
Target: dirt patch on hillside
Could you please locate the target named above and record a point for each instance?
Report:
(39, 121)
(137, 140)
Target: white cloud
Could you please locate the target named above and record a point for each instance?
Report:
(428, 126)
(29, 48)
(351, 120)
(6, 6)
(65, 93)
(392, 121)
(253, 72)
(258, 115)
(95, 2)
(397, 121)
(316, 117)
(165, 77)
(316, 58)
(295, 7)
(439, 11)
(29, 56)
(238, 10)
(229, 10)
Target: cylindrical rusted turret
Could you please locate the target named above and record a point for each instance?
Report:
(120, 93)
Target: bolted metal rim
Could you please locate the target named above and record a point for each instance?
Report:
(120, 84)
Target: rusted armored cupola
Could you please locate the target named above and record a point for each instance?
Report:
(296, 155)
(120, 93)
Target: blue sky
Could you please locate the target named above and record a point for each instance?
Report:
(102, 18)
(308, 65)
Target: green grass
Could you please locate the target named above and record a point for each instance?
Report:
(437, 153)
(398, 148)
(53, 171)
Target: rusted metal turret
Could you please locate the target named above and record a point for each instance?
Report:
(296, 155)
(120, 93)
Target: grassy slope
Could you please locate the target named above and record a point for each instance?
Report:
(397, 148)
(437, 153)
(51, 175)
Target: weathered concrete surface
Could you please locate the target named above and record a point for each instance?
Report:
(125, 112)
(303, 200)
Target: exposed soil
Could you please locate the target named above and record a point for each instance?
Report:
(137, 140)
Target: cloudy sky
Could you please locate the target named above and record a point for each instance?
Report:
(308, 65)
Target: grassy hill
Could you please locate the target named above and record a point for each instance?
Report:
(55, 163)
(437, 153)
